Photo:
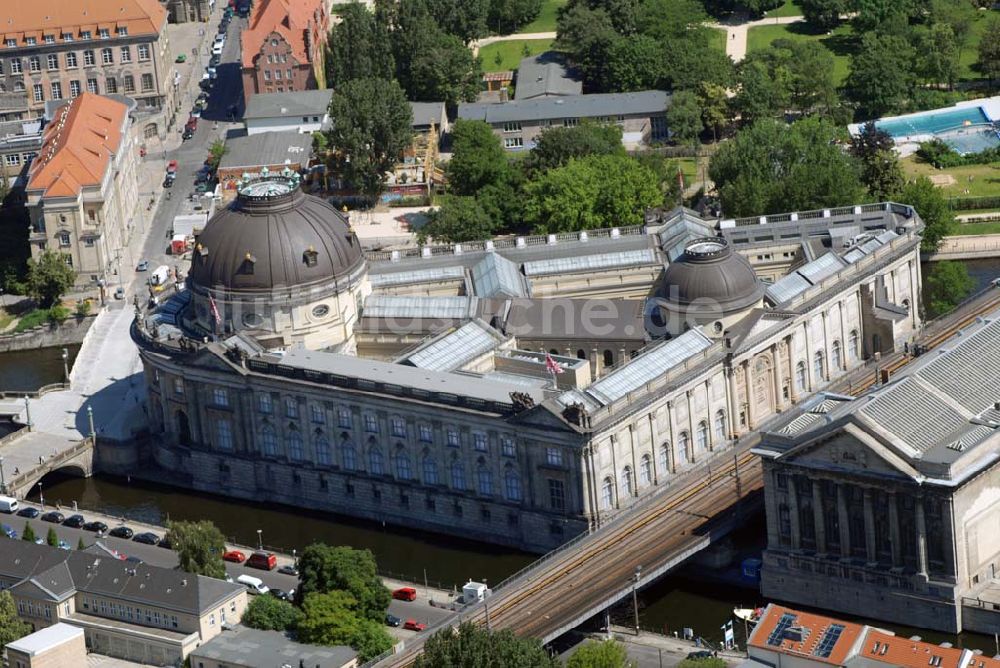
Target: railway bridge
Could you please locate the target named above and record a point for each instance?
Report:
(598, 569)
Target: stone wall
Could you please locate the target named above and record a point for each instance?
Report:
(72, 330)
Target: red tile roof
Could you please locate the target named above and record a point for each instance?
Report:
(20, 19)
(905, 653)
(77, 146)
(805, 635)
(291, 19)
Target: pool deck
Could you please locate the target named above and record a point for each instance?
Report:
(989, 105)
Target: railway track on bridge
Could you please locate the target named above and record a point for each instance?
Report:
(603, 563)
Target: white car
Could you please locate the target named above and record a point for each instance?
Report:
(217, 50)
(212, 72)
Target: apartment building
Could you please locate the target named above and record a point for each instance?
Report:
(138, 612)
(82, 191)
(282, 48)
(59, 49)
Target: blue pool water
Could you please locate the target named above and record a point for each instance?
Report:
(933, 122)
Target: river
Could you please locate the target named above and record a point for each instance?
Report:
(27, 370)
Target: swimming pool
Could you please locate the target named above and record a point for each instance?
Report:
(933, 122)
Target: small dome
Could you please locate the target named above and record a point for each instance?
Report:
(274, 236)
(709, 272)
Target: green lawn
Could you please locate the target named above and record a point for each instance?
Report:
(970, 53)
(718, 39)
(546, 21)
(985, 178)
(841, 43)
(977, 228)
(510, 53)
(790, 8)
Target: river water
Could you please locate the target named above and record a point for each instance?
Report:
(27, 370)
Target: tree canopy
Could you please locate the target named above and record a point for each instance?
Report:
(772, 167)
(270, 613)
(359, 48)
(558, 145)
(472, 647)
(880, 170)
(49, 278)
(199, 547)
(324, 568)
(607, 654)
(684, 117)
(458, 218)
(939, 220)
(11, 626)
(372, 125)
(478, 159)
(333, 618)
(880, 75)
(946, 285)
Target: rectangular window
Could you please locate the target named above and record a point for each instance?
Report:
(126, 54)
(15, 66)
(107, 57)
(513, 142)
(143, 51)
(103, 33)
(571, 122)
(453, 438)
(220, 397)
(52, 61)
(128, 83)
(122, 31)
(147, 82)
(224, 435)
(74, 89)
(85, 34)
(34, 64)
(426, 433)
(398, 427)
(30, 41)
(71, 59)
(557, 494)
(264, 403)
(88, 58)
(11, 42)
(371, 423)
(49, 39)
(56, 90)
(267, 75)
(37, 92)
(12, 159)
(277, 74)
(92, 86)
(507, 446)
(288, 74)
(291, 407)
(110, 85)
(512, 126)
(553, 456)
(67, 37)
(344, 418)
(178, 386)
(318, 414)
(479, 441)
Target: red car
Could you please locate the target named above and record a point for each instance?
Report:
(414, 625)
(405, 594)
(234, 556)
(172, 167)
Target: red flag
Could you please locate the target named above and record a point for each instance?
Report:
(215, 310)
(551, 366)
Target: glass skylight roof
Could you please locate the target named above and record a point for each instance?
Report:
(419, 276)
(588, 262)
(495, 276)
(384, 306)
(456, 349)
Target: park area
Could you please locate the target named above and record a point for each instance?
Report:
(500, 56)
(546, 20)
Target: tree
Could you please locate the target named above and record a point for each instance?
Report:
(556, 146)
(624, 14)
(989, 51)
(459, 218)
(323, 568)
(930, 204)
(509, 16)
(215, 153)
(937, 54)
(11, 626)
(886, 17)
(946, 285)
(443, 70)
(199, 547)
(49, 277)
(465, 20)
(587, 36)
(880, 170)
(372, 126)
(711, 662)
(29, 533)
(477, 158)
(880, 76)
(811, 84)
(607, 654)
(359, 48)
(823, 14)
(332, 619)
(714, 102)
(772, 167)
(80, 545)
(270, 613)
(51, 538)
(591, 192)
(634, 63)
(763, 91)
(473, 647)
(684, 118)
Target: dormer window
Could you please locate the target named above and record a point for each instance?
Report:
(104, 33)
(30, 41)
(310, 257)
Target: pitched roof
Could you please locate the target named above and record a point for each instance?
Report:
(292, 103)
(59, 17)
(77, 146)
(651, 102)
(289, 18)
(894, 650)
(804, 634)
(545, 75)
(427, 113)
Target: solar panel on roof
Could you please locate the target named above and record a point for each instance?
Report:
(829, 640)
(778, 633)
(585, 262)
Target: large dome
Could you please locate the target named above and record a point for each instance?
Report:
(710, 273)
(274, 236)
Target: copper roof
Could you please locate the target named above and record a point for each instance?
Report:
(57, 17)
(77, 146)
(291, 19)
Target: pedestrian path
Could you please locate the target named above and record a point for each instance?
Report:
(736, 33)
(479, 43)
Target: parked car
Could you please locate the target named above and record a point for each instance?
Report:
(188, 133)
(142, 266)
(63, 545)
(172, 167)
(405, 594)
(700, 655)
(168, 182)
(121, 532)
(253, 585)
(262, 560)
(414, 625)
(53, 516)
(280, 594)
(212, 71)
(8, 504)
(146, 538)
(8, 531)
(392, 620)
(234, 556)
(96, 525)
(29, 512)
(217, 50)
(289, 570)
(119, 293)
(74, 521)
(181, 58)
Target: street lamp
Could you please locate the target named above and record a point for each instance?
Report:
(635, 598)
(27, 412)
(65, 359)
(260, 540)
(90, 420)
(486, 603)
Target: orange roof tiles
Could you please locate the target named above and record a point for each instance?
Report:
(289, 18)
(805, 635)
(56, 17)
(906, 653)
(77, 146)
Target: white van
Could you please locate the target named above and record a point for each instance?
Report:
(253, 585)
(8, 504)
(160, 275)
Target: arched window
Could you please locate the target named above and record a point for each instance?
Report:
(580, 354)
(402, 465)
(683, 441)
(800, 376)
(853, 341)
(322, 450)
(268, 441)
(628, 486)
(645, 470)
(665, 457)
(484, 478)
(609, 358)
(376, 463)
(835, 359)
(607, 494)
(348, 454)
(457, 475)
(701, 436)
(720, 426)
(553, 351)
(818, 366)
(430, 471)
(512, 485)
(294, 445)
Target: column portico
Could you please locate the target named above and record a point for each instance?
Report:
(844, 521)
(819, 521)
